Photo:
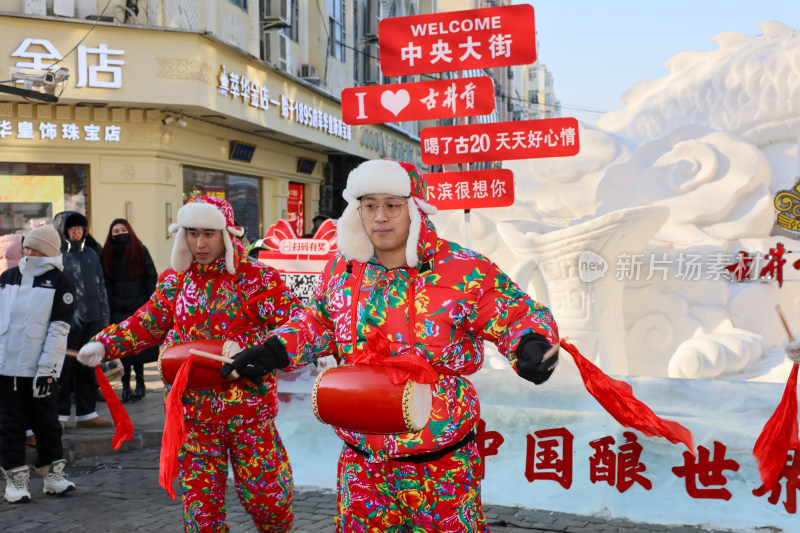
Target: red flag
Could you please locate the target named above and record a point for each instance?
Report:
(779, 435)
(617, 398)
(122, 422)
(174, 430)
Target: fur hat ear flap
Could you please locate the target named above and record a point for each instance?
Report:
(426, 208)
(351, 238)
(230, 266)
(181, 255)
(412, 258)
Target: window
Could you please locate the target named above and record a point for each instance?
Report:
(241, 191)
(294, 30)
(35, 192)
(356, 53)
(336, 30)
(240, 3)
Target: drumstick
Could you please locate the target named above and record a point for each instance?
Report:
(71, 353)
(208, 355)
(785, 325)
(551, 352)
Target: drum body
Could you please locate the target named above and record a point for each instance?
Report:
(363, 398)
(204, 372)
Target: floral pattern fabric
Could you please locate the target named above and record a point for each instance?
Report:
(260, 468)
(207, 302)
(442, 310)
(394, 497)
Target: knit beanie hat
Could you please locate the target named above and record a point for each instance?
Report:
(205, 212)
(44, 239)
(381, 176)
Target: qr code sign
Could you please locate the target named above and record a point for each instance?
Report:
(302, 285)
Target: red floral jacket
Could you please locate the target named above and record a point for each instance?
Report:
(460, 299)
(206, 302)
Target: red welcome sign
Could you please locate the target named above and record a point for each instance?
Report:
(471, 189)
(458, 40)
(498, 141)
(424, 100)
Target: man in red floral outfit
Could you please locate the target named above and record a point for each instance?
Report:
(214, 291)
(397, 293)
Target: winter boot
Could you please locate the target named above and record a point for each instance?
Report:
(54, 481)
(139, 391)
(17, 485)
(126, 385)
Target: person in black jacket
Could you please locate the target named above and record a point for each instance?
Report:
(82, 265)
(130, 281)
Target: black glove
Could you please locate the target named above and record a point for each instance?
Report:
(530, 352)
(43, 385)
(253, 363)
(77, 322)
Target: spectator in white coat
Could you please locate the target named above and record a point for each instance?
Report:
(36, 308)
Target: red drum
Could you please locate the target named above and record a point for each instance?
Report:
(204, 372)
(362, 398)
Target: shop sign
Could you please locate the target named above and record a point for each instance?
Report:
(424, 100)
(96, 66)
(457, 40)
(471, 189)
(239, 86)
(387, 147)
(314, 118)
(25, 129)
(500, 141)
(253, 94)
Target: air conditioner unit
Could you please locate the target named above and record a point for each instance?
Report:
(372, 68)
(308, 71)
(373, 17)
(275, 11)
(276, 49)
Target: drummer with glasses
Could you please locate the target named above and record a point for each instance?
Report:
(400, 298)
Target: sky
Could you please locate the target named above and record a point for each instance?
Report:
(597, 50)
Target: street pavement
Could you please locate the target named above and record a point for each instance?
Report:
(118, 491)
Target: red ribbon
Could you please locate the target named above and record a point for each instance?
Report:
(123, 428)
(174, 430)
(779, 435)
(617, 398)
(401, 367)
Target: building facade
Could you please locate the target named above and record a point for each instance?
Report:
(166, 99)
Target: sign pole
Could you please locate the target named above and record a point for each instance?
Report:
(465, 167)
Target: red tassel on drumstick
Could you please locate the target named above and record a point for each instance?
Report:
(780, 433)
(123, 428)
(618, 400)
(174, 430)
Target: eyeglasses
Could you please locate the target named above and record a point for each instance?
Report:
(391, 209)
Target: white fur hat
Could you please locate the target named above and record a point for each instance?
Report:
(204, 212)
(381, 176)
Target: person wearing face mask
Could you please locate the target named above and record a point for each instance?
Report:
(131, 278)
(82, 265)
(36, 304)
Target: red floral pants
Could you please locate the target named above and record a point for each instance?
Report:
(392, 497)
(261, 471)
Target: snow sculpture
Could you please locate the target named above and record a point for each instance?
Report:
(581, 293)
(712, 143)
